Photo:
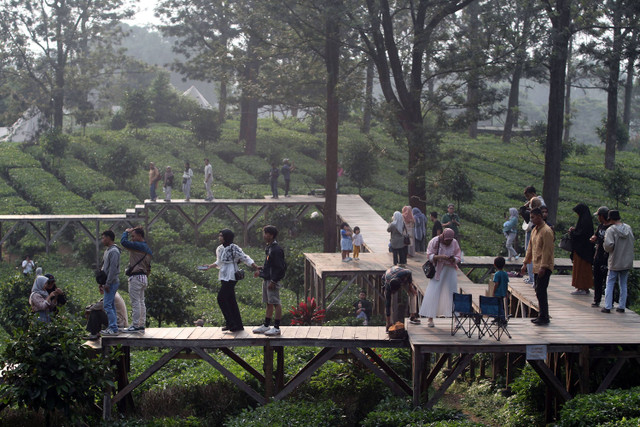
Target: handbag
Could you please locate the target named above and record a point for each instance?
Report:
(101, 277)
(407, 239)
(429, 267)
(239, 274)
(565, 243)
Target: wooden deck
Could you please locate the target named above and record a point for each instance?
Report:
(352, 209)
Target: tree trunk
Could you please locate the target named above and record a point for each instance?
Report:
(332, 61)
(628, 88)
(473, 82)
(222, 100)
(612, 94)
(249, 102)
(514, 101)
(368, 98)
(560, 35)
(567, 96)
(58, 88)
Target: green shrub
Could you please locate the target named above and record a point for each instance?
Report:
(168, 297)
(118, 122)
(288, 413)
(397, 411)
(11, 156)
(114, 202)
(14, 302)
(526, 406)
(595, 409)
(45, 367)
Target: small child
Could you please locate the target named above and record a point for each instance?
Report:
(357, 243)
(346, 245)
(501, 282)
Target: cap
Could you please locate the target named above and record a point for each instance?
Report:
(50, 277)
(602, 210)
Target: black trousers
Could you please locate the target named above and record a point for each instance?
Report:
(97, 320)
(229, 305)
(599, 281)
(400, 255)
(542, 283)
(287, 182)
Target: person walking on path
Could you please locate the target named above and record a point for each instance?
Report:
(273, 180)
(510, 231)
(111, 266)
(582, 253)
(138, 271)
(451, 220)
(208, 179)
(168, 184)
(410, 226)
(187, 177)
(272, 272)
(228, 256)
(154, 177)
(287, 168)
(601, 257)
(420, 230)
(618, 242)
(444, 251)
(540, 254)
(398, 231)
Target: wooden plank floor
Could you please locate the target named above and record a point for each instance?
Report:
(356, 212)
(267, 200)
(214, 337)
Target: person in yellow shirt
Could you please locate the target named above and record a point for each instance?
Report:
(540, 253)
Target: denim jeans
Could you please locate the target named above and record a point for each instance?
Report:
(527, 238)
(109, 306)
(622, 277)
(152, 191)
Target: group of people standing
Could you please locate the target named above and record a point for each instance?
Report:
(274, 173)
(167, 179)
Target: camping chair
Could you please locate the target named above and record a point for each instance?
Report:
(462, 315)
(493, 320)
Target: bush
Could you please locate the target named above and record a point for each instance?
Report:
(11, 156)
(288, 413)
(118, 122)
(114, 202)
(168, 297)
(46, 367)
(596, 409)
(397, 411)
(205, 125)
(14, 302)
(526, 406)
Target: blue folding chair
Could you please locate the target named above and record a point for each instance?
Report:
(493, 319)
(462, 315)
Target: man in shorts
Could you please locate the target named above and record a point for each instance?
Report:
(272, 272)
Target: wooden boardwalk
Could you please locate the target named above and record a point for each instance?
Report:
(353, 210)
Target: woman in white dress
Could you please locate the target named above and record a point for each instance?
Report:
(444, 251)
(410, 225)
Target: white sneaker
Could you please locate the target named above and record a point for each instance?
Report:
(108, 332)
(260, 329)
(273, 331)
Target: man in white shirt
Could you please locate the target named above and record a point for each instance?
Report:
(27, 266)
(208, 179)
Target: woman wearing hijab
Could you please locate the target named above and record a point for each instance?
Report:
(420, 231)
(410, 225)
(228, 255)
(43, 298)
(583, 251)
(510, 230)
(444, 251)
(168, 184)
(398, 231)
(187, 177)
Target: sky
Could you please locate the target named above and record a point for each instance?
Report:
(144, 13)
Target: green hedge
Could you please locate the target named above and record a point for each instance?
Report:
(289, 413)
(11, 156)
(595, 409)
(83, 180)
(114, 202)
(11, 203)
(47, 193)
(395, 411)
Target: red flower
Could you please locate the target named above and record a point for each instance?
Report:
(306, 313)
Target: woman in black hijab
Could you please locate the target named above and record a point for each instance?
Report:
(583, 251)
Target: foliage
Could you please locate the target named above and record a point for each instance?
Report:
(622, 133)
(455, 183)
(290, 413)
(539, 132)
(526, 406)
(11, 156)
(46, 367)
(14, 302)
(83, 180)
(617, 183)
(398, 411)
(111, 202)
(137, 108)
(168, 297)
(306, 313)
(205, 125)
(361, 163)
(484, 400)
(118, 121)
(54, 142)
(11, 203)
(596, 409)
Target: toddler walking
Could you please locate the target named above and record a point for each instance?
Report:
(357, 243)
(346, 245)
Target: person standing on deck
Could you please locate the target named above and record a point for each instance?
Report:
(601, 257)
(208, 179)
(287, 168)
(540, 254)
(272, 272)
(154, 177)
(138, 271)
(451, 220)
(618, 241)
(111, 266)
(582, 254)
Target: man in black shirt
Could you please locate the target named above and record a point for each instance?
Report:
(437, 225)
(363, 308)
(272, 271)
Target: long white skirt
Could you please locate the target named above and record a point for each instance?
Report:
(438, 298)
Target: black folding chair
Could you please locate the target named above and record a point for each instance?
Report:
(493, 319)
(462, 315)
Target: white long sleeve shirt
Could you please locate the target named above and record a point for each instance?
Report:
(227, 262)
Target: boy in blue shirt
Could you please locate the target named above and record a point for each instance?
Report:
(501, 282)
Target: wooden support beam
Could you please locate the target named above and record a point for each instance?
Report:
(146, 374)
(436, 369)
(240, 361)
(268, 371)
(460, 367)
(229, 375)
(583, 371)
(611, 375)
(390, 372)
(549, 378)
(306, 372)
(280, 368)
(395, 387)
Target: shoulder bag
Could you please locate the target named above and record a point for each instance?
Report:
(405, 234)
(429, 267)
(565, 243)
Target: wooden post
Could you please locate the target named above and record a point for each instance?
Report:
(280, 370)
(48, 236)
(584, 370)
(97, 243)
(268, 371)
(417, 368)
(106, 400)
